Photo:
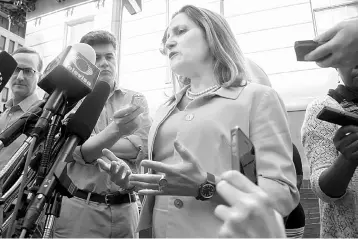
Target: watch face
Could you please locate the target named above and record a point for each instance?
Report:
(208, 190)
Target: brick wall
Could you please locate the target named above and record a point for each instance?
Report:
(309, 202)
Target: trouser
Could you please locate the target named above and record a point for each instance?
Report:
(295, 224)
(82, 219)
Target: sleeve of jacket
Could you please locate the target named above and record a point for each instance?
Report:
(140, 137)
(318, 145)
(269, 132)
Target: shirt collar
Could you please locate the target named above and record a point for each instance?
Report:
(25, 104)
(229, 92)
(117, 89)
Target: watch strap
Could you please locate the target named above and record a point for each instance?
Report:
(210, 178)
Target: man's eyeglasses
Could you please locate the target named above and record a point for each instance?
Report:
(29, 72)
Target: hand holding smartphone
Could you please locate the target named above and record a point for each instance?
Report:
(243, 157)
(302, 48)
(138, 100)
(338, 117)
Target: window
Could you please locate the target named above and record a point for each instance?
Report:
(18, 30)
(328, 13)
(76, 29)
(11, 47)
(14, 29)
(2, 42)
(4, 22)
(22, 31)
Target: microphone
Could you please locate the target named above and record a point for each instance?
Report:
(78, 130)
(72, 72)
(7, 68)
(21, 124)
(69, 77)
(86, 116)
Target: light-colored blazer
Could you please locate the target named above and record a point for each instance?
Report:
(257, 74)
(205, 132)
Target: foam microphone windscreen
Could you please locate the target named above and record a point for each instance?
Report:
(7, 68)
(86, 50)
(71, 73)
(84, 120)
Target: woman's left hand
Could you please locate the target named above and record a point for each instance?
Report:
(182, 179)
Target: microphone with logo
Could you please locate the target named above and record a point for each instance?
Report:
(69, 77)
(7, 68)
(79, 129)
(62, 77)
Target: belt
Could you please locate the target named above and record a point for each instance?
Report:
(109, 199)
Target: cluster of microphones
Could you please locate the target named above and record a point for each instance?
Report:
(35, 178)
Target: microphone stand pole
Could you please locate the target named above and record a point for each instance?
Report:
(2, 201)
(55, 102)
(50, 186)
(53, 211)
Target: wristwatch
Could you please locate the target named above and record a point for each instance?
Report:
(207, 189)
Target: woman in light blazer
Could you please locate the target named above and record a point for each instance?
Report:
(189, 143)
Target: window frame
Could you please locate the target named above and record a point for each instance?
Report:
(11, 42)
(3, 47)
(327, 8)
(73, 23)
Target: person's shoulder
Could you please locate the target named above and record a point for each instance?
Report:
(256, 87)
(130, 92)
(257, 74)
(320, 102)
(258, 91)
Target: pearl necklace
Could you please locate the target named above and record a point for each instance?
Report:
(192, 96)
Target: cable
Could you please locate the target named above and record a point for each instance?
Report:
(21, 189)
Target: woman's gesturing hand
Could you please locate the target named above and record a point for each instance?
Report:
(181, 179)
(117, 169)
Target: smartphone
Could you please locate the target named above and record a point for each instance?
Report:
(243, 156)
(138, 100)
(302, 48)
(338, 117)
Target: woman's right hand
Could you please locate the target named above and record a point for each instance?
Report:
(250, 214)
(116, 168)
(346, 141)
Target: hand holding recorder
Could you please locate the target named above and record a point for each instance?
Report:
(303, 48)
(346, 138)
(341, 43)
